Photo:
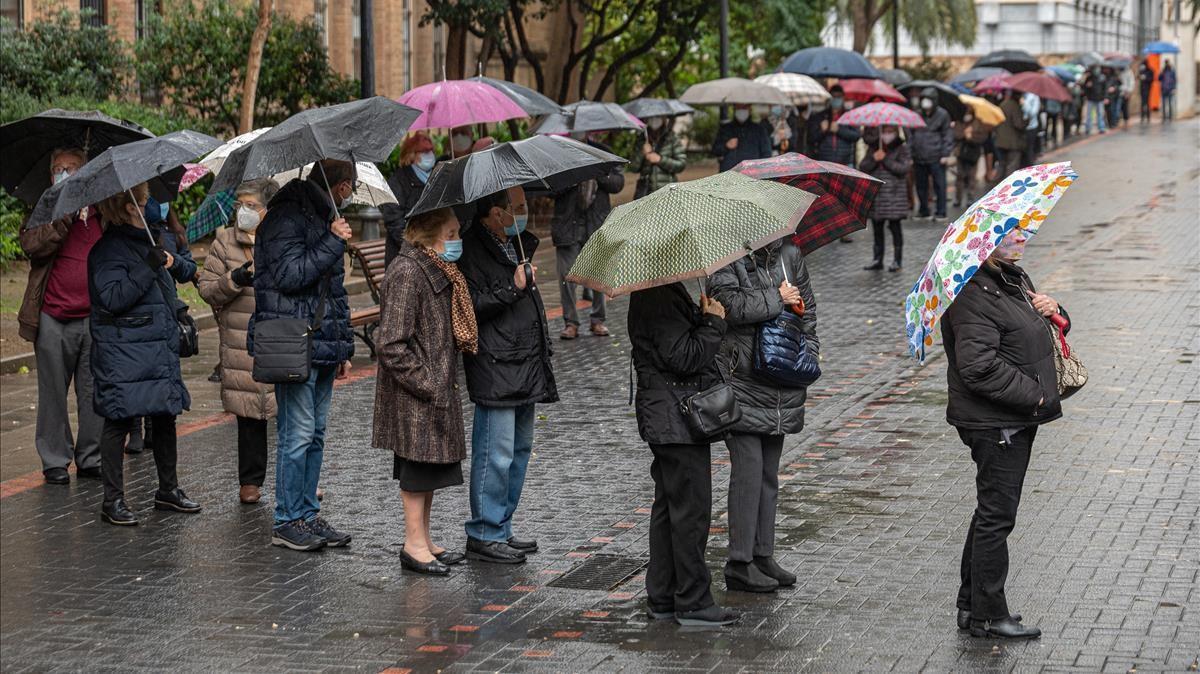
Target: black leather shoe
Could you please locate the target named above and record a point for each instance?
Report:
(894, 267)
(57, 476)
(713, 616)
(964, 619)
(92, 473)
(874, 266)
(659, 613)
(118, 513)
(430, 568)
(1003, 629)
(746, 577)
(496, 552)
(524, 546)
(450, 557)
(176, 501)
(771, 568)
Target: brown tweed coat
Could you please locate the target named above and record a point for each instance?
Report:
(418, 414)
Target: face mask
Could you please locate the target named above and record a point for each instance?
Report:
(967, 119)
(248, 219)
(163, 209)
(741, 115)
(926, 104)
(344, 203)
(426, 160)
(914, 103)
(849, 105)
(777, 110)
(837, 102)
(518, 225)
(453, 250)
(61, 176)
(655, 123)
(461, 142)
(887, 137)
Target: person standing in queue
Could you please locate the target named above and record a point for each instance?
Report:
(661, 159)
(510, 374)
(417, 160)
(675, 345)
(1010, 135)
(1002, 386)
(888, 159)
(931, 146)
(1145, 86)
(739, 139)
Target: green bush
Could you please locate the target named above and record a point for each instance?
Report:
(12, 214)
(62, 56)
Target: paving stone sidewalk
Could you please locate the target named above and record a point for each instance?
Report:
(875, 496)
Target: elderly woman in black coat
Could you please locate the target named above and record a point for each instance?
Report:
(675, 345)
(888, 158)
(135, 351)
(756, 289)
(1002, 386)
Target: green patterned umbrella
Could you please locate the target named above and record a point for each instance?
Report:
(687, 230)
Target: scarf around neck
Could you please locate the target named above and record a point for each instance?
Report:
(462, 312)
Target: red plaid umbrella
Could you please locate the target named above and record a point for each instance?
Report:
(844, 195)
(865, 90)
(882, 114)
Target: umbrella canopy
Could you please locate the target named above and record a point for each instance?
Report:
(733, 91)
(158, 161)
(1087, 59)
(985, 111)
(865, 90)
(844, 195)
(211, 214)
(947, 96)
(1067, 73)
(994, 84)
(26, 145)
(549, 162)
(1012, 60)
(882, 114)
(214, 161)
(894, 76)
(1020, 201)
(364, 130)
(451, 103)
(1115, 64)
(687, 230)
(643, 108)
(582, 116)
(974, 75)
(801, 89)
(1041, 85)
(192, 173)
(532, 102)
(830, 62)
(1160, 47)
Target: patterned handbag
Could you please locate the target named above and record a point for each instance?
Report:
(1072, 375)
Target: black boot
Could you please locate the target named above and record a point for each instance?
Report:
(874, 266)
(1003, 629)
(964, 619)
(118, 513)
(746, 577)
(771, 568)
(713, 616)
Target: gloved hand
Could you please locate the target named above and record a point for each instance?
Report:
(156, 257)
(242, 276)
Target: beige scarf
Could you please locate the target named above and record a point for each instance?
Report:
(462, 312)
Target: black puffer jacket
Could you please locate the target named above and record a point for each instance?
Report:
(574, 220)
(407, 187)
(293, 251)
(835, 146)
(999, 353)
(513, 366)
(749, 290)
(674, 352)
(935, 140)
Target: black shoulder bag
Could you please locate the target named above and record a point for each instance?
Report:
(283, 346)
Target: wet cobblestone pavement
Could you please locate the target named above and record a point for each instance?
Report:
(875, 496)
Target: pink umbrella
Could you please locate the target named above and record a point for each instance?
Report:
(994, 84)
(191, 174)
(882, 114)
(452, 103)
(865, 90)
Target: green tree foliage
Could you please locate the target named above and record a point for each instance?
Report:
(198, 54)
(926, 21)
(62, 56)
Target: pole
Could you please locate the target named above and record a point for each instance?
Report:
(366, 46)
(896, 34)
(724, 49)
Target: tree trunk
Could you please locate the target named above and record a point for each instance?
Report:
(456, 51)
(254, 64)
(862, 26)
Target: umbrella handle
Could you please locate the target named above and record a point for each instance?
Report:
(528, 267)
(142, 217)
(328, 190)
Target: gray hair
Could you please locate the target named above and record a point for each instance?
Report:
(263, 188)
(68, 149)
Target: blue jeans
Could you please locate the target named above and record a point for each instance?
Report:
(921, 173)
(303, 410)
(1096, 109)
(1168, 106)
(501, 440)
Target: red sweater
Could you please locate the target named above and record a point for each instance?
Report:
(66, 297)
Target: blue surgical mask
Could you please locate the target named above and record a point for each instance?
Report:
(453, 250)
(426, 160)
(164, 209)
(518, 225)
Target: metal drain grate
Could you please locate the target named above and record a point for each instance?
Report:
(599, 572)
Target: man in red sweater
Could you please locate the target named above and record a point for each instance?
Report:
(54, 316)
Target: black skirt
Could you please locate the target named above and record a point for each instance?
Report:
(420, 476)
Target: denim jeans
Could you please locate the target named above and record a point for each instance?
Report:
(1168, 106)
(501, 440)
(1093, 109)
(300, 446)
(922, 173)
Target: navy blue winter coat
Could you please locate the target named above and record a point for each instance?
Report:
(135, 336)
(753, 143)
(293, 251)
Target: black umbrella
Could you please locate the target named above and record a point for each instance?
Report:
(895, 76)
(1012, 60)
(643, 108)
(976, 75)
(830, 62)
(365, 130)
(588, 116)
(527, 99)
(158, 161)
(26, 145)
(947, 97)
(1087, 59)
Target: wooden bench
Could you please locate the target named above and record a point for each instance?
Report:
(368, 256)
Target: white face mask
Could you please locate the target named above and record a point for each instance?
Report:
(741, 115)
(61, 176)
(655, 123)
(887, 137)
(926, 104)
(461, 142)
(248, 219)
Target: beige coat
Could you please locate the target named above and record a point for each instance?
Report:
(234, 305)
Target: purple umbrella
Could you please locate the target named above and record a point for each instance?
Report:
(451, 103)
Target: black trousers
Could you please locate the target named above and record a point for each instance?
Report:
(252, 451)
(112, 454)
(1144, 111)
(999, 476)
(897, 238)
(677, 578)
